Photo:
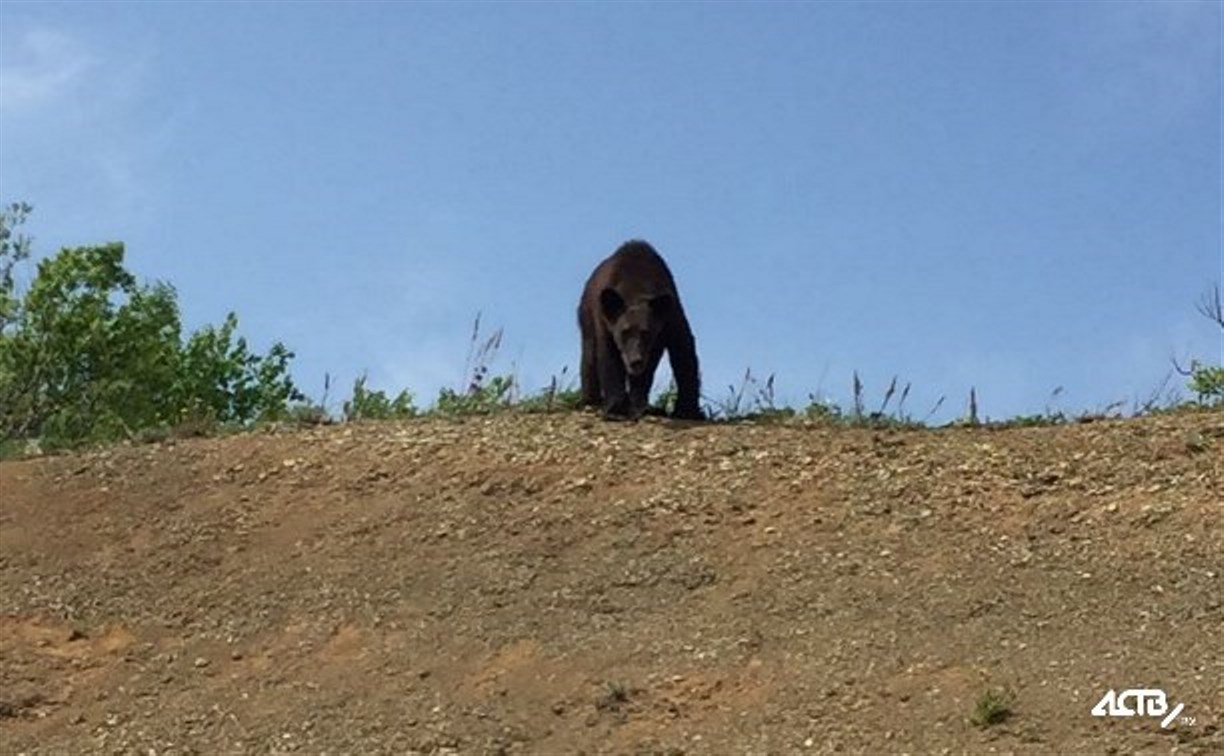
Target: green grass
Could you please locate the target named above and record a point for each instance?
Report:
(753, 400)
(992, 708)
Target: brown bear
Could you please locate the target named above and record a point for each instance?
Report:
(629, 314)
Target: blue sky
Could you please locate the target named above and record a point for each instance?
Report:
(1012, 196)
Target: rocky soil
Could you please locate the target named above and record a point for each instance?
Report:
(553, 583)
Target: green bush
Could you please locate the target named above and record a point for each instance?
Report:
(219, 378)
(89, 354)
(1207, 382)
(374, 405)
(483, 397)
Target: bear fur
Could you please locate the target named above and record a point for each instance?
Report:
(629, 314)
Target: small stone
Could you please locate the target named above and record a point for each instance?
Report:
(200, 662)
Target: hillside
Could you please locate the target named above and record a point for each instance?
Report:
(559, 584)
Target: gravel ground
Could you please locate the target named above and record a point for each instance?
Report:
(554, 583)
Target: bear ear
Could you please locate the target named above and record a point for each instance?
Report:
(612, 304)
(662, 303)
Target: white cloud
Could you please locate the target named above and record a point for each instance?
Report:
(48, 67)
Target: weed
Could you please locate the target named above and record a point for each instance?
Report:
(666, 399)
(484, 392)
(493, 395)
(374, 405)
(196, 426)
(307, 414)
(752, 400)
(615, 694)
(559, 396)
(1050, 416)
(993, 707)
(153, 435)
(15, 448)
(827, 411)
(1197, 443)
(823, 410)
(480, 358)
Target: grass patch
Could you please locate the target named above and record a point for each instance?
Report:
(614, 695)
(993, 707)
(485, 391)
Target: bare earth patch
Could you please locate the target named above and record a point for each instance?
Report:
(559, 584)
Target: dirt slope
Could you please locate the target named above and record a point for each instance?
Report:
(558, 584)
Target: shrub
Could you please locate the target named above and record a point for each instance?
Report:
(374, 405)
(88, 353)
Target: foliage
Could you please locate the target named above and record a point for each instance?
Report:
(823, 410)
(665, 402)
(221, 379)
(993, 707)
(484, 392)
(1207, 383)
(88, 354)
(482, 397)
(751, 400)
(560, 396)
(14, 248)
(374, 405)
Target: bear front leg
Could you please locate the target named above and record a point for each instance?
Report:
(682, 353)
(591, 393)
(612, 381)
(639, 394)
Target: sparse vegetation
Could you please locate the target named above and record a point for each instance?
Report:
(615, 695)
(1050, 416)
(479, 399)
(751, 400)
(90, 355)
(666, 400)
(1204, 379)
(559, 396)
(367, 404)
(993, 707)
(1207, 382)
